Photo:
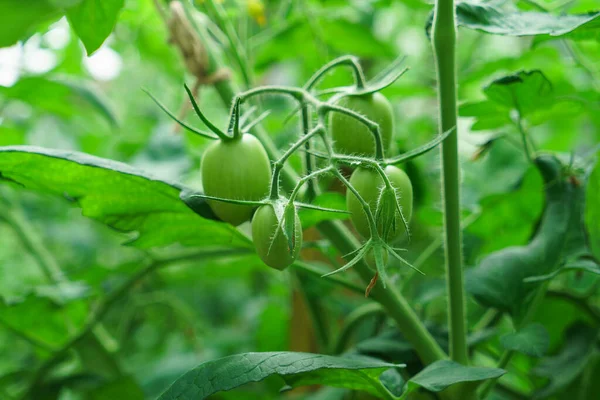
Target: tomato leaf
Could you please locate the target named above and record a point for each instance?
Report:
(442, 374)
(120, 196)
(498, 279)
(490, 19)
(296, 369)
(564, 367)
(60, 97)
(525, 91)
(532, 340)
(94, 20)
(19, 18)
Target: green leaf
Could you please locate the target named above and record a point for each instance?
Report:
(525, 91)
(441, 374)
(508, 219)
(19, 19)
(490, 19)
(498, 280)
(581, 265)
(60, 97)
(94, 20)
(569, 363)
(296, 369)
(117, 195)
(489, 115)
(532, 340)
(592, 211)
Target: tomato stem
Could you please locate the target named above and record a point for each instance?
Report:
(351, 61)
(444, 49)
(278, 165)
(312, 188)
(372, 126)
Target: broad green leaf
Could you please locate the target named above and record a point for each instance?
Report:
(490, 19)
(59, 97)
(393, 381)
(117, 195)
(525, 91)
(498, 280)
(564, 367)
(592, 209)
(94, 20)
(441, 374)
(19, 19)
(488, 114)
(296, 369)
(532, 340)
(508, 219)
(570, 314)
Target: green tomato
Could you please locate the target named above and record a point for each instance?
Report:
(350, 136)
(237, 169)
(368, 183)
(271, 245)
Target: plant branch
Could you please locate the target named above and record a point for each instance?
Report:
(444, 48)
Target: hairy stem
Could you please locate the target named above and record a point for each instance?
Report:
(444, 48)
(395, 305)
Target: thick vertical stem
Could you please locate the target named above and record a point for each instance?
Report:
(444, 48)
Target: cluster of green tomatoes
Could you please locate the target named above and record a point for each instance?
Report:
(355, 127)
(240, 169)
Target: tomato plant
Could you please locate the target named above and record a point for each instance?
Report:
(263, 231)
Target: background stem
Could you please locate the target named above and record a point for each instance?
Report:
(444, 48)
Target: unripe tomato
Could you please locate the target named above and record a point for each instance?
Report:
(237, 169)
(273, 248)
(368, 183)
(350, 136)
